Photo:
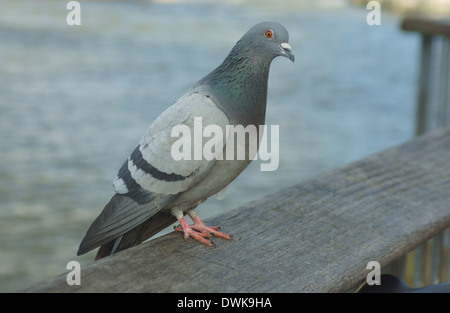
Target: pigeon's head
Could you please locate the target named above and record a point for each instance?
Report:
(269, 39)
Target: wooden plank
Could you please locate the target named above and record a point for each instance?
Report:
(427, 25)
(424, 83)
(317, 236)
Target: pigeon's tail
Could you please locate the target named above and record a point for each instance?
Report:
(140, 233)
(125, 223)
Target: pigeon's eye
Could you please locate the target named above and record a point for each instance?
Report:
(269, 33)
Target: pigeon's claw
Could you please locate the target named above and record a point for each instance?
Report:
(189, 232)
(191, 229)
(199, 230)
(200, 226)
(211, 230)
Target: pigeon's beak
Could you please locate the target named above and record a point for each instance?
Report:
(286, 51)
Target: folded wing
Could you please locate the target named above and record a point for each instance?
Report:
(151, 178)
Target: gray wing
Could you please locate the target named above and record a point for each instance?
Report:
(153, 166)
(151, 177)
(119, 216)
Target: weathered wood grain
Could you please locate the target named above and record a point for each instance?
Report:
(317, 236)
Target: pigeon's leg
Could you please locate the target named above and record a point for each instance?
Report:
(201, 227)
(189, 232)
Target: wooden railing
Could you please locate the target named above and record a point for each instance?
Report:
(317, 236)
(433, 104)
(430, 263)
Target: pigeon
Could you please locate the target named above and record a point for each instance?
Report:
(154, 189)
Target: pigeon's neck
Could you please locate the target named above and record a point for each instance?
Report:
(240, 84)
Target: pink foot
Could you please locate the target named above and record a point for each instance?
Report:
(199, 230)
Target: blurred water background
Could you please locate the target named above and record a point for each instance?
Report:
(75, 100)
